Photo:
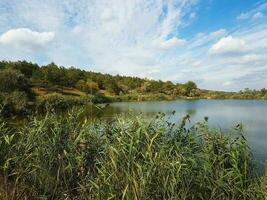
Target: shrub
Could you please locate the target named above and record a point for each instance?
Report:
(14, 103)
(56, 102)
(12, 80)
(97, 99)
(87, 86)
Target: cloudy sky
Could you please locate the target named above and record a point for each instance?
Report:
(219, 44)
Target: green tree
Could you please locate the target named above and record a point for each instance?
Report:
(26, 68)
(190, 88)
(73, 76)
(168, 87)
(112, 87)
(87, 86)
(12, 80)
(263, 91)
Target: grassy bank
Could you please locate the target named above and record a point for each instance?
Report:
(127, 158)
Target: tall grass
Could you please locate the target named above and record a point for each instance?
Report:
(127, 158)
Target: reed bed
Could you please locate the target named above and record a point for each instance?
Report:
(126, 158)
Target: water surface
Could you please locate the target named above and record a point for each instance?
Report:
(221, 113)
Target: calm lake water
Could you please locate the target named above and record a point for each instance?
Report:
(221, 113)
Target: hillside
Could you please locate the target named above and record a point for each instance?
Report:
(25, 84)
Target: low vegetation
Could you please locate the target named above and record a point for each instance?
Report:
(126, 158)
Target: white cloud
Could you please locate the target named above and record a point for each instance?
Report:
(217, 34)
(228, 45)
(107, 14)
(134, 35)
(77, 29)
(253, 14)
(160, 43)
(227, 83)
(243, 16)
(258, 15)
(140, 38)
(252, 58)
(27, 39)
(203, 39)
(122, 36)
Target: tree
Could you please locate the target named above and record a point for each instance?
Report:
(180, 90)
(87, 86)
(26, 68)
(73, 76)
(190, 87)
(168, 87)
(112, 87)
(50, 76)
(263, 91)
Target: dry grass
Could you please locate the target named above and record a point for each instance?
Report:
(66, 91)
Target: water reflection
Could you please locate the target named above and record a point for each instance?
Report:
(191, 112)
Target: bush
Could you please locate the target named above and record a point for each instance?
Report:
(56, 102)
(14, 103)
(12, 80)
(97, 99)
(145, 97)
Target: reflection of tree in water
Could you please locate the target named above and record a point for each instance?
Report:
(191, 112)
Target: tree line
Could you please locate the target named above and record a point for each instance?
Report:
(22, 75)
(20, 79)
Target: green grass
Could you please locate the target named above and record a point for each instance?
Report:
(127, 158)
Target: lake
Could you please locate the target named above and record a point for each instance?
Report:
(221, 113)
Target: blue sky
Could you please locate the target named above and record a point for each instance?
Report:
(219, 44)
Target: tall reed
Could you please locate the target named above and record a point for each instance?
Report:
(127, 158)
